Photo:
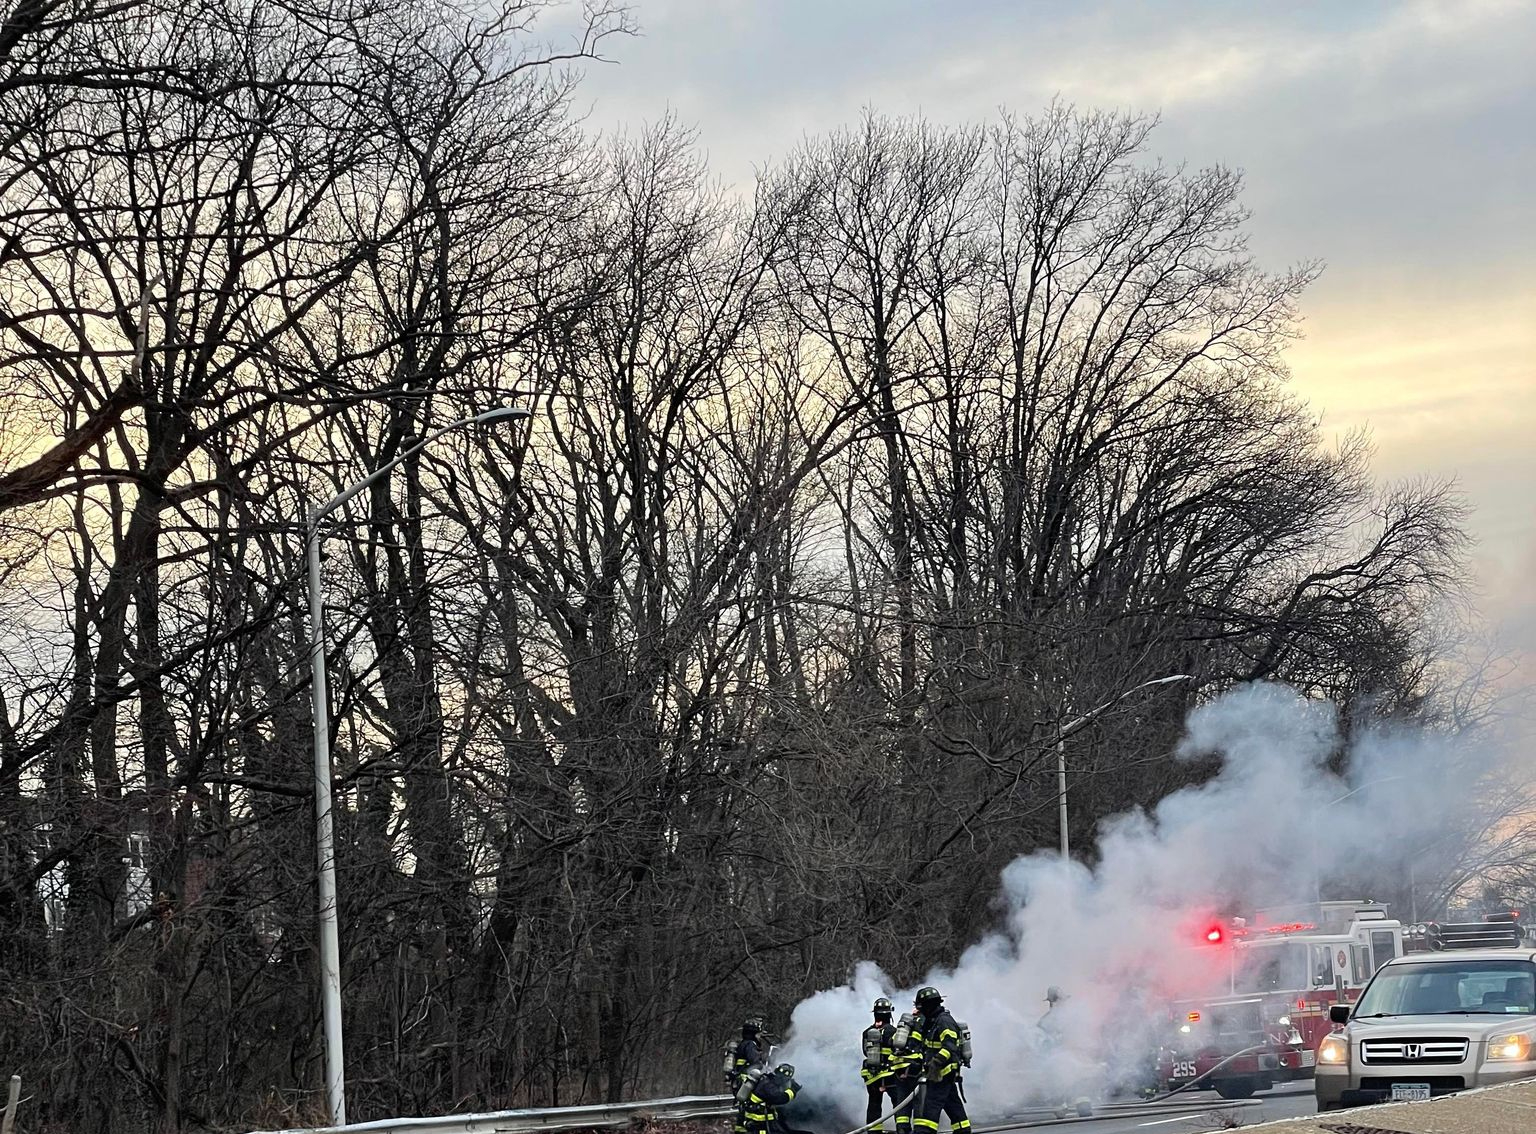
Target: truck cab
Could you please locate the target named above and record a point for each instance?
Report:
(1284, 970)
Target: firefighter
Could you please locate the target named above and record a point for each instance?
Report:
(747, 1053)
(941, 1066)
(751, 1049)
(1054, 1028)
(1050, 1023)
(878, 1069)
(772, 1091)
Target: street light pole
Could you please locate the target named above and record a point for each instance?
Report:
(330, 950)
(1068, 729)
(1061, 795)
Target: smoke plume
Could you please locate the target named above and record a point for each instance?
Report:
(1274, 826)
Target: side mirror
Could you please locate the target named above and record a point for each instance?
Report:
(1339, 1013)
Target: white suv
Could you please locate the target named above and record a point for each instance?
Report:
(1431, 1024)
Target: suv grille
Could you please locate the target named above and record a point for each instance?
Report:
(1414, 1051)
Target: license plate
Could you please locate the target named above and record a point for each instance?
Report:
(1410, 1092)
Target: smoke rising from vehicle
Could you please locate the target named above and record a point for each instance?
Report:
(1274, 826)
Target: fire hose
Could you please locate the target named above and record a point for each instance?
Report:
(1208, 1074)
(897, 1109)
(906, 1102)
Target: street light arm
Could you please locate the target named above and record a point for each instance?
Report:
(1362, 787)
(1073, 726)
(347, 494)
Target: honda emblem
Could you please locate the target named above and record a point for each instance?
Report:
(1412, 1050)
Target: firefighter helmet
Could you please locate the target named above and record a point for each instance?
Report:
(752, 1024)
(884, 1007)
(787, 1070)
(929, 996)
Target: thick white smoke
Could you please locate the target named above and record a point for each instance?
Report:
(1274, 826)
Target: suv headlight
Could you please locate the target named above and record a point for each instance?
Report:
(1334, 1050)
(1511, 1048)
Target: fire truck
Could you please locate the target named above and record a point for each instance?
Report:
(1281, 973)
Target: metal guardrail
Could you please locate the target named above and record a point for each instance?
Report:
(538, 1119)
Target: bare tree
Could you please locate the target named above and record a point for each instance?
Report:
(845, 509)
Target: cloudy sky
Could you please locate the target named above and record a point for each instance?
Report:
(1392, 140)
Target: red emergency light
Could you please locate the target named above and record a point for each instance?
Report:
(1215, 935)
(1193, 1017)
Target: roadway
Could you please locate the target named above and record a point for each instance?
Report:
(1193, 1112)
